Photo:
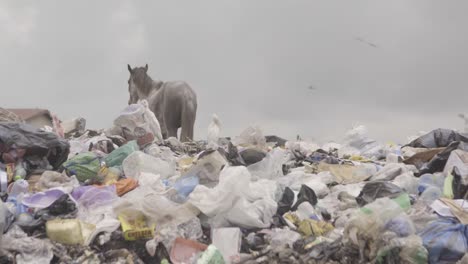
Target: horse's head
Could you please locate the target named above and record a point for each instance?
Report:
(137, 83)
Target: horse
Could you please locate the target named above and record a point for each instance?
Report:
(174, 103)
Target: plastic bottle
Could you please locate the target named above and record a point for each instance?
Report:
(18, 187)
(430, 194)
(427, 180)
(20, 172)
(15, 196)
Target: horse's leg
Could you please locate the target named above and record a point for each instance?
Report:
(188, 121)
(172, 131)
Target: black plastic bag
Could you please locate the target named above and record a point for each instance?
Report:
(37, 143)
(438, 162)
(377, 189)
(306, 194)
(460, 190)
(63, 206)
(438, 138)
(286, 202)
(252, 156)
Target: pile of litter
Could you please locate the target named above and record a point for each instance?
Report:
(125, 195)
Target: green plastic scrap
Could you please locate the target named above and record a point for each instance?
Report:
(403, 201)
(211, 256)
(448, 187)
(84, 166)
(116, 157)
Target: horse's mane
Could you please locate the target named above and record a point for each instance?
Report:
(145, 83)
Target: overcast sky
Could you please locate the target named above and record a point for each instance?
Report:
(396, 66)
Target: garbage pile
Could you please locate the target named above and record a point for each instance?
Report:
(126, 195)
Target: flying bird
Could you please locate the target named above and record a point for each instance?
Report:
(366, 42)
(311, 87)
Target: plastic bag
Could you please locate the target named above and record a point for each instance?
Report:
(228, 241)
(233, 200)
(348, 174)
(391, 171)
(95, 206)
(84, 166)
(358, 143)
(30, 249)
(251, 156)
(52, 179)
(271, 167)
(445, 240)
(251, 136)
(211, 256)
(137, 116)
(139, 162)
(438, 138)
(408, 182)
(208, 167)
(377, 189)
(280, 237)
(69, 231)
(36, 142)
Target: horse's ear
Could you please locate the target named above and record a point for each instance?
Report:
(129, 68)
(146, 68)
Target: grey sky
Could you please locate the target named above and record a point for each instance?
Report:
(251, 62)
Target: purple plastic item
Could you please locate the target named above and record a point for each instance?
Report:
(97, 196)
(43, 199)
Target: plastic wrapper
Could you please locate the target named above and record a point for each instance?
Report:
(251, 136)
(69, 231)
(211, 256)
(296, 179)
(348, 174)
(139, 162)
(52, 179)
(271, 167)
(280, 237)
(391, 171)
(185, 251)
(30, 249)
(377, 189)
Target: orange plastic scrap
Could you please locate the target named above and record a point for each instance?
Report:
(125, 185)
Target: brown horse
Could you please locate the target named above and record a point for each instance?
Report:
(174, 103)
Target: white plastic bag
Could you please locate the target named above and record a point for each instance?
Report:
(358, 143)
(228, 241)
(271, 167)
(251, 136)
(234, 201)
(137, 115)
